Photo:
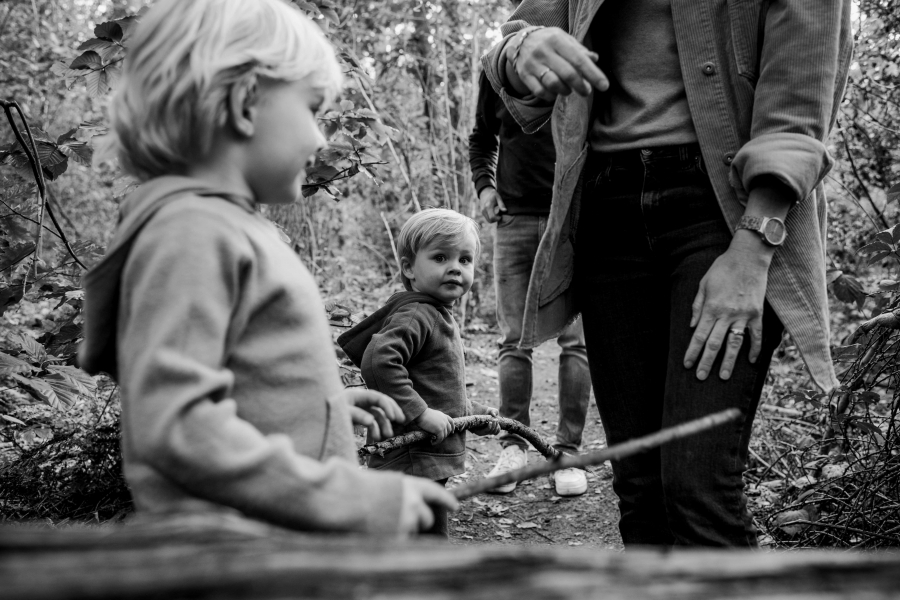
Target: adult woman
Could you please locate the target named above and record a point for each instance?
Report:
(681, 160)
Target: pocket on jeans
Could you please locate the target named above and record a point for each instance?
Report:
(505, 220)
(745, 18)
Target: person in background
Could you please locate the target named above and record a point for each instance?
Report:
(690, 142)
(513, 176)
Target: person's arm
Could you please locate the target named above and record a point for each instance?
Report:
(548, 62)
(801, 81)
(385, 361)
(483, 142)
(795, 103)
(483, 152)
(181, 284)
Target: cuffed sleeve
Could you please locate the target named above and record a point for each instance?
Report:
(529, 111)
(801, 80)
(799, 161)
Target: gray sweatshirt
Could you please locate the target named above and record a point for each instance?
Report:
(217, 335)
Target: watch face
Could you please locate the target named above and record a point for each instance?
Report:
(774, 231)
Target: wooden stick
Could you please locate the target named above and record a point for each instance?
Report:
(616, 452)
(464, 424)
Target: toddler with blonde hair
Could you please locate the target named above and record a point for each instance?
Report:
(215, 331)
(411, 348)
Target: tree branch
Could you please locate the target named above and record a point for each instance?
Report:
(860, 180)
(464, 424)
(616, 452)
(888, 320)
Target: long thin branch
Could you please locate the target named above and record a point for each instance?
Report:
(860, 180)
(616, 452)
(412, 190)
(391, 238)
(888, 320)
(464, 424)
(14, 213)
(894, 541)
(34, 160)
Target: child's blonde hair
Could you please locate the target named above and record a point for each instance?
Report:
(185, 57)
(429, 225)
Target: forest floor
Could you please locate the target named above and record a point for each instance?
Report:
(533, 513)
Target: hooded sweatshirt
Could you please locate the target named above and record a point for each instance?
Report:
(411, 350)
(217, 335)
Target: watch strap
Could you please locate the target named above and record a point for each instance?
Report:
(751, 223)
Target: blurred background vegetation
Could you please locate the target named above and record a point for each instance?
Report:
(825, 469)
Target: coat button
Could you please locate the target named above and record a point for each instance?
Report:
(708, 68)
(728, 158)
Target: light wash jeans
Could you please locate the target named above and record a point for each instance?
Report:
(515, 245)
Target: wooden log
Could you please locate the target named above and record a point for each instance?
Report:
(219, 557)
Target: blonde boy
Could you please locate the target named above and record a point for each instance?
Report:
(212, 326)
(411, 349)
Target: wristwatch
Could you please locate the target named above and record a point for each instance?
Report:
(770, 229)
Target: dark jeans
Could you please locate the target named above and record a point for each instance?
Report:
(649, 229)
(516, 242)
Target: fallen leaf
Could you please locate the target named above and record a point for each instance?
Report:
(789, 516)
(528, 525)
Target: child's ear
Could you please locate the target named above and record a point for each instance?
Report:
(242, 106)
(406, 269)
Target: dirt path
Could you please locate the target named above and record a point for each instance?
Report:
(533, 513)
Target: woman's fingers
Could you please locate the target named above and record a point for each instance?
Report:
(756, 336)
(701, 333)
(552, 63)
(711, 349)
(734, 341)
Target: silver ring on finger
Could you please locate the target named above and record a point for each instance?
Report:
(544, 72)
(736, 331)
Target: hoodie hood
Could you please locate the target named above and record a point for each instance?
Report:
(355, 340)
(103, 282)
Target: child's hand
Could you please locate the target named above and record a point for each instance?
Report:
(436, 423)
(418, 497)
(373, 410)
(491, 428)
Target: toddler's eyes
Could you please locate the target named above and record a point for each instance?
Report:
(439, 258)
(465, 260)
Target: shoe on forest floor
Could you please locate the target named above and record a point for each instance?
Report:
(511, 458)
(570, 482)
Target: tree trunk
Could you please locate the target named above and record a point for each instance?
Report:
(227, 557)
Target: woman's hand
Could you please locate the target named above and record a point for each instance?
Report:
(730, 300)
(372, 410)
(438, 424)
(549, 63)
(732, 294)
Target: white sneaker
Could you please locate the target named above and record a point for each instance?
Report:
(570, 482)
(511, 458)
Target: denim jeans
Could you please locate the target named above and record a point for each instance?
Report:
(515, 245)
(649, 229)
